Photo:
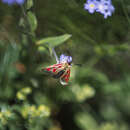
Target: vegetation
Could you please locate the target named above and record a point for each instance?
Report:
(98, 94)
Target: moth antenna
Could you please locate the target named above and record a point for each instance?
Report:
(80, 65)
(54, 53)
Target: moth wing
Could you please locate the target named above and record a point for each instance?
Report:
(65, 78)
(53, 70)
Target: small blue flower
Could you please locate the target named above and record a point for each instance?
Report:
(104, 7)
(101, 7)
(108, 12)
(20, 1)
(90, 5)
(10, 2)
(69, 59)
(64, 59)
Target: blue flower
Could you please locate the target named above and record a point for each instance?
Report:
(20, 1)
(91, 6)
(10, 2)
(104, 7)
(64, 59)
(108, 12)
(69, 60)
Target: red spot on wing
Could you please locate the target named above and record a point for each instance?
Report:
(66, 77)
(48, 69)
(54, 70)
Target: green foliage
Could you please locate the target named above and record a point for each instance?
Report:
(53, 41)
(22, 94)
(29, 4)
(32, 21)
(8, 58)
(98, 94)
(86, 121)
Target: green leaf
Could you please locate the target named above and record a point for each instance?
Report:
(22, 22)
(29, 4)
(32, 20)
(86, 121)
(54, 41)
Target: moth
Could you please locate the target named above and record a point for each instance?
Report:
(60, 70)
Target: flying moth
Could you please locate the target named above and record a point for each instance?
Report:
(60, 70)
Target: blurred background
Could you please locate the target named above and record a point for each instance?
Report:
(98, 94)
